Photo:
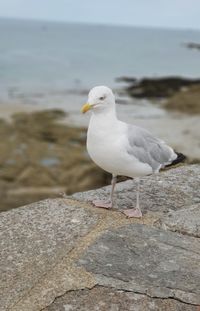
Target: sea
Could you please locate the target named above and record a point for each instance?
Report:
(47, 62)
(48, 65)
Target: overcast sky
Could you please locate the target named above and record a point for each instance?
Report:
(159, 13)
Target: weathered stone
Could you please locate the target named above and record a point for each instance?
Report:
(170, 190)
(115, 300)
(63, 248)
(33, 239)
(147, 260)
(109, 299)
(185, 221)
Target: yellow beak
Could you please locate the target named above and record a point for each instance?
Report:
(86, 107)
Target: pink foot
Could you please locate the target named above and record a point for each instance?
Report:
(134, 212)
(102, 204)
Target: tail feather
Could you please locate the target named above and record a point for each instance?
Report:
(180, 158)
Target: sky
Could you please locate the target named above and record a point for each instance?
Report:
(154, 13)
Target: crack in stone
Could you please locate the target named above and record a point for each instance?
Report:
(107, 220)
(68, 291)
(170, 297)
(112, 219)
(183, 232)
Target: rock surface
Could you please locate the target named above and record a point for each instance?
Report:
(33, 239)
(170, 190)
(110, 299)
(60, 254)
(185, 221)
(150, 261)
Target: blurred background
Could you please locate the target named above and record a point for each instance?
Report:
(51, 54)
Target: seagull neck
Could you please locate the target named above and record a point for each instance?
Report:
(103, 120)
(107, 114)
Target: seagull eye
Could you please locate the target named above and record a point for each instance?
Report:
(102, 97)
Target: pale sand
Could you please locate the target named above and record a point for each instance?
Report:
(8, 109)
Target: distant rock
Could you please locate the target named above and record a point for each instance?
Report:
(186, 101)
(160, 87)
(193, 45)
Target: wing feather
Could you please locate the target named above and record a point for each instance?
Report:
(149, 149)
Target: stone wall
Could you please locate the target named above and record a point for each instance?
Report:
(64, 254)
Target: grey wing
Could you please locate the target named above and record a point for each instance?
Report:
(149, 149)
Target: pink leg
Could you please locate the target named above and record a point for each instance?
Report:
(101, 203)
(135, 212)
(107, 204)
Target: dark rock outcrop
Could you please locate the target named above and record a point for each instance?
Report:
(193, 45)
(160, 87)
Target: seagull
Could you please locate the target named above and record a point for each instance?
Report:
(120, 148)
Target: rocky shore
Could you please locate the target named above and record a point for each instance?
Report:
(186, 101)
(43, 154)
(41, 157)
(159, 87)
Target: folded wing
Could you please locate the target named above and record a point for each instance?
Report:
(149, 149)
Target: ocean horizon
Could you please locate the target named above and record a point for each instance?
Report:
(41, 56)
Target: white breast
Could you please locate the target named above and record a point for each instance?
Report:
(106, 140)
(101, 143)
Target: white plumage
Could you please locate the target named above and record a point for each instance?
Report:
(121, 148)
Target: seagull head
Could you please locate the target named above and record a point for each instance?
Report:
(100, 99)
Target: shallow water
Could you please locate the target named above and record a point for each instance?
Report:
(42, 61)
